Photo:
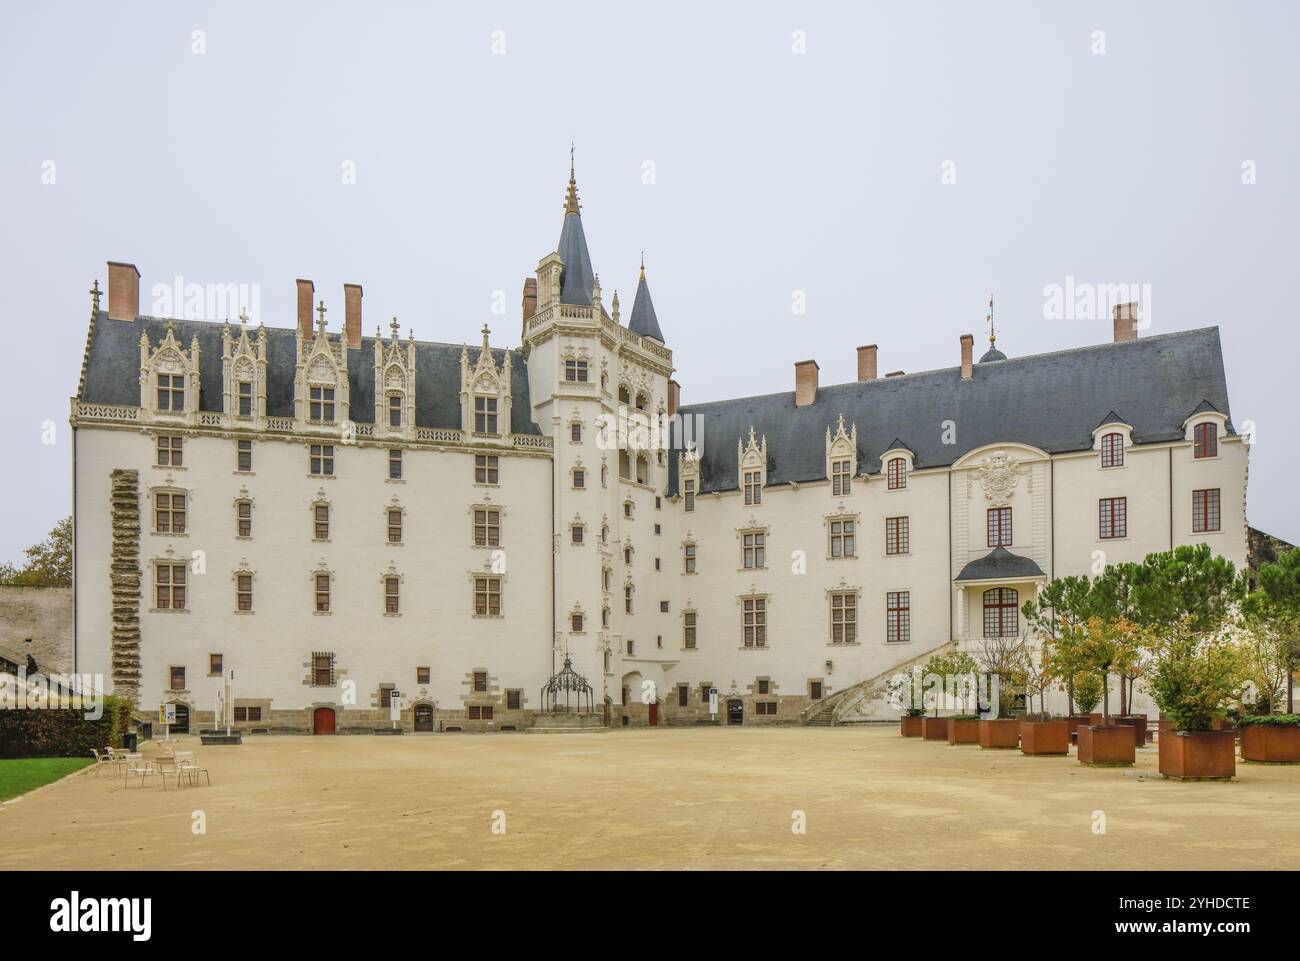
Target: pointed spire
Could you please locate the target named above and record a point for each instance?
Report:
(576, 277)
(643, 320)
(571, 205)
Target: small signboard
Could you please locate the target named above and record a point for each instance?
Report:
(395, 706)
(166, 713)
(713, 700)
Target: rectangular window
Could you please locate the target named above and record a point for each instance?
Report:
(487, 527)
(322, 516)
(422, 675)
(627, 598)
(1205, 510)
(243, 592)
(1205, 440)
(753, 483)
(841, 478)
(394, 526)
(575, 534)
(480, 682)
(485, 415)
(575, 371)
(1112, 450)
(177, 678)
(897, 473)
(753, 621)
(843, 538)
(579, 478)
(169, 512)
(169, 451)
(322, 670)
(169, 580)
(244, 519)
(897, 536)
(898, 616)
(754, 550)
(395, 410)
(999, 526)
(385, 696)
(576, 623)
(815, 690)
(704, 693)
(322, 405)
(689, 488)
(688, 558)
(171, 392)
(683, 696)
(485, 468)
(248, 714)
(322, 460)
(514, 700)
(394, 465)
(688, 630)
(244, 456)
(245, 398)
(663, 607)
(322, 593)
(764, 686)
(392, 595)
(844, 618)
(575, 432)
(487, 596)
(1112, 517)
(214, 664)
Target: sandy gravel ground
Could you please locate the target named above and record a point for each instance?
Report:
(693, 798)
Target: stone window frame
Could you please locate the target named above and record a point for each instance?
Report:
(489, 510)
(629, 592)
(240, 451)
(577, 620)
(172, 563)
(171, 489)
(391, 578)
(843, 590)
(491, 580)
(318, 450)
(242, 571)
(841, 517)
(395, 458)
(319, 571)
(322, 404)
(321, 501)
(577, 532)
(690, 618)
(424, 678)
(488, 416)
(175, 449)
(314, 669)
(690, 557)
(761, 610)
(751, 529)
(394, 506)
(491, 466)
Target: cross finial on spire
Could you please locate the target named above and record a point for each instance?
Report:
(486, 332)
(320, 311)
(993, 332)
(571, 205)
(643, 265)
(393, 328)
(243, 316)
(94, 295)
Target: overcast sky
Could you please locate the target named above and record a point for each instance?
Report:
(752, 151)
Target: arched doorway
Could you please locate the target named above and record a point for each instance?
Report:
(322, 720)
(424, 718)
(182, 725)
(735, 711)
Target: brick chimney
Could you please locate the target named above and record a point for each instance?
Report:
(867, 362)
(306, 290)
(123, 291)
(1125, 322)
(674, 397)
(530, 297)
(805, 382)
(967, 348)
(352, 315)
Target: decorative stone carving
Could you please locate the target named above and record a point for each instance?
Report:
(999, 475)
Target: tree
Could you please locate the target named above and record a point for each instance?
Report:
(1098, 648)
(1194, 675)
(1188, 589)
(1087, 691)
(49, 563)
(1061, 606)
(1037, 676)
(1278, 599)
(1271, 639)
(1001, 657)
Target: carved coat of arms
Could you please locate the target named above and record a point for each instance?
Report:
(998, 475)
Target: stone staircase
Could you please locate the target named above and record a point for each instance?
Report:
(821, 714)
(867, 701)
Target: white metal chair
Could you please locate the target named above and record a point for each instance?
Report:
(188, 767)
(101, 760)
(136, 765)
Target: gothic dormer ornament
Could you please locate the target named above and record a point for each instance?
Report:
(321, 395)
(751, 461)
(485, 392)
(998, 474)
(243, 374)
(394, 385)
(169, 380)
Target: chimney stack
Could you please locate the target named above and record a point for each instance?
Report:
(530, 297)
(1125, 322)
(867, 362)
(352, 315)
(306, 290)
(123, 291)
(967, 348)
(805, 382)
(674, 397)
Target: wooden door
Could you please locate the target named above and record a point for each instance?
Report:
(654, 713)
(323, 721)
(424, 717)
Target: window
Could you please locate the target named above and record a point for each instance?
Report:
(487, 527)
(604, 475)
(322, 593)
(169, 580)
(767, 708)
(176, 678)
(169, 512)
(754, 550)
(514, 700)
(898, 616)
(999, 526)
(897, 536)
(171, 392)
(631, 652)
(248, 714)
(245, 398)
(896, 472)
(1112, 517)
(815, 690)
(606, 577)
(841, 478)
(480, 682)
(843, 539)
(627, 509)
(689, 488)
(704, 693)
(244, 456)
(1205, 440)
(1112, 450)
(764, 686)
(575, 432)
(321, 513)
(214, 664)
(753, 484)
(575, 623)
(322, 405)
(322, 460)
(485, 468)
(575, 534)
(642, 469)
(422, 675)
(243, 592)
(627, 555)
(485, 415)
(688, 630)
(627, 598)
(243, 518)
(385, 695)
(753, 621)
(663, 607)
(579, 478)
(575, 371)
(487, 596)
(394, 525)
(395, 410)
(604, 617)
(658, 529)
(844, 618)
(169, 451)
(392, 595)
(683, 696)
(1205, 510)
(480, 712)
(688, 558)
(1001, 618)
(322, 670)
(394, 465)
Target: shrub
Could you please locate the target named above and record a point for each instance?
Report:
(63, 733)
(1269, 720)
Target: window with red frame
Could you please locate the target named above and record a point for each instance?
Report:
(999, 524)
(1112, 450)
(1206, 440)
(897, 473)
(1205, 510)
(898, 616)
(1001, 618)
(1112, 517)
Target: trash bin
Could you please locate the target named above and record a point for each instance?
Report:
(129, 741)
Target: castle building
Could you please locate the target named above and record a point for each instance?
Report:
(343, 522)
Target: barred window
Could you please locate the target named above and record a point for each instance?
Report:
(1205, 510)
(485, 415)
(322, 460)
(688, 558)
(1205, 440)
(688, 630)
(243, 592)
(1112, 517)
(1112, 450)
(394, 465)
(394, 525)
(245, 398)
(169, 512)
(841, 478)
(485, 468)
(244, 456)
(487, 527)
(754, 550)
(689, 488)
(898, 616)
(321, 514)
(169, 582)
(576, 534)
(480, 682)
(753, 621)
(322, 669)
(843, 538)
(897, 535)
(844, 617)
(171, 392)
(322, 593)
(243, 518)
(1001, 614)
(514, 700)
(896, 472)
(248, 714)
(999, 526)
(753, 483)
(764, 685)
(169, 450)
(322, 404)
(683, 696)
(487, 596)
(392, 595)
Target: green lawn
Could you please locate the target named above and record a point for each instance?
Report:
(26, 774)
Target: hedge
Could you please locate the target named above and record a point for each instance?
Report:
(63, 733)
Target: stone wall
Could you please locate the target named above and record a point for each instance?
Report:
(38, 621)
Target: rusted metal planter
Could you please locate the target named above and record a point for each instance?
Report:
(1040, 738)
(1103, 745)
(909, 725)
(1198, 755)
(1138, 721)
(1271, 743)
(1000, 733)
(934, 729)
(963, 730)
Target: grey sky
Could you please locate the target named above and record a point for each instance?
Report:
(774, 172)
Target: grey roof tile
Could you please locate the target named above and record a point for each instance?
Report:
(576, 277)
(999, 563)
(643, 320)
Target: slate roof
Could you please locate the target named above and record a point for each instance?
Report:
(113, 371)
(1052, 401)
(643, 320)
(576, 277)
(999, 564)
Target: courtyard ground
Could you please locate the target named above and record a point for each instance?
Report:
(723, 798)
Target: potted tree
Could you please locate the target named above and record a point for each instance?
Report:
(1102, 646)
(1040, 733)
(934, 727)
(907, 692)
(1087, 695)
(1000, 658)
(1270, 738)
(1111, 596)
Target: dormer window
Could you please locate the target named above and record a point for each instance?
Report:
(485, 415)
(1112, 450)
(896, 473)
(1205, 440)
(841, 478)
(245, 398)
(688, 494)
(395, 411)
(753, 484)
(322, 405)
(171, 392)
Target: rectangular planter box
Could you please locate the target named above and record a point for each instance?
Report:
(1271, 743)
(1107, 746)
(1137, 721)
(1198, 755)
(963, 731)
(1044, 737)
(910, 725)
(934, 728)
(1004, 732)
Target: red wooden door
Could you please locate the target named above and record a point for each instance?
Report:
(654, 713)
(323, 721)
